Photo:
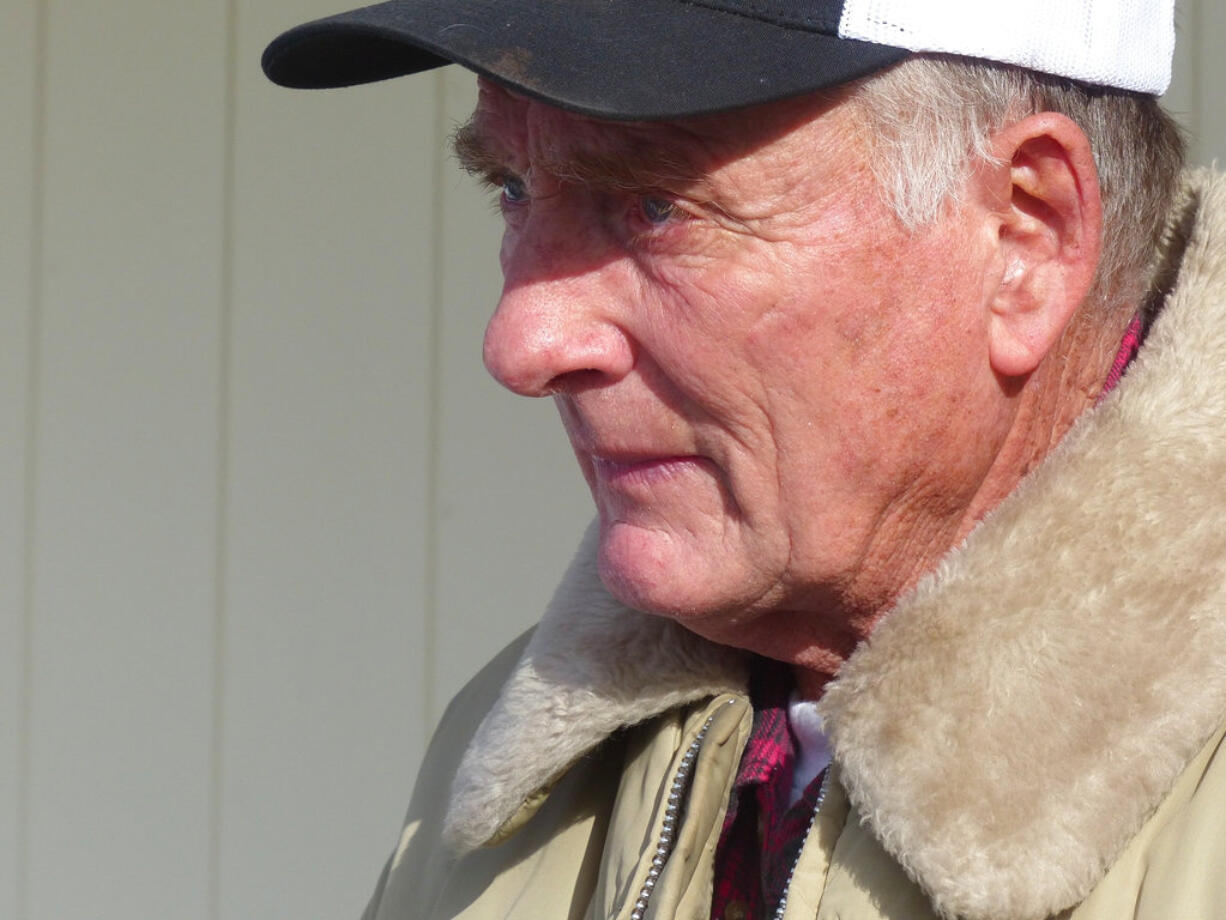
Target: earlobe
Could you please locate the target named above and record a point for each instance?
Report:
(1049, 227)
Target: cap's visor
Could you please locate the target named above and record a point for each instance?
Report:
(617, 59)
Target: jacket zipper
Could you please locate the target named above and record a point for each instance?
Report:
(672, 813)
(787, 886)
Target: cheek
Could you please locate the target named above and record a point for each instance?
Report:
(716, 303)
(698, 337)
(816, 325)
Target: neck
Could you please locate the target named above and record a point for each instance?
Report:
(1047, 404)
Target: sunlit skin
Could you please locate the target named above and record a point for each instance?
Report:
(787, 406)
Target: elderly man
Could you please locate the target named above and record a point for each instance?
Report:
(897, 605)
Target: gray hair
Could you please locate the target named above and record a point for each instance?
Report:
(932, 116)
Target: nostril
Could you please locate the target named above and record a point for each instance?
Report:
(576, 381)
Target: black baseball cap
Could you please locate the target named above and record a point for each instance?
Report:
(616, 59)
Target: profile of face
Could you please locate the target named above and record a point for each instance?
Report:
(770, 384)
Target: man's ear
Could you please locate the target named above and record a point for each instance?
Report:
(1049, 234)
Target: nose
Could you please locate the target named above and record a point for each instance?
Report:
(559, 325)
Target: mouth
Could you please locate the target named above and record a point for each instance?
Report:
(635, 469)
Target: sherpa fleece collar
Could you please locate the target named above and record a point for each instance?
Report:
(1017, 717)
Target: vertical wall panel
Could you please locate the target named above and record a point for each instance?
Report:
(123, 575)
(512, 503)
(1180, 99)
(18, 99)
(1211, 81)
(326, 504)
(1195, 96)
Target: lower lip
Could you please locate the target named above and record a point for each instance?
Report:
(644, 471)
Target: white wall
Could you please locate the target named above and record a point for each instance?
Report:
(261, 512)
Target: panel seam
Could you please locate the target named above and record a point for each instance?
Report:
(34, 344)
(433, 412)
(221, 520)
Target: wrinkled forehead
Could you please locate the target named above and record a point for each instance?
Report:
(519, 132)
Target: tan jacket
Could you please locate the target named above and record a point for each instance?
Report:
(1033, 730)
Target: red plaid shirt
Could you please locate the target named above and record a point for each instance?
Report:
(1129, 347)
(762, 833)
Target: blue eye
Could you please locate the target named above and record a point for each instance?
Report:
(657, 210)
(513, 190)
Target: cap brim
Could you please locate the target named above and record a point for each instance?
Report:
(617, 59)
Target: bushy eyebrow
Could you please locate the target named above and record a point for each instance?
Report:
(636, 168)
(474, 152)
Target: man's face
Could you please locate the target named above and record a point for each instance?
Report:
(767, 381)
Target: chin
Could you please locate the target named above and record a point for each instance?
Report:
(656, 572)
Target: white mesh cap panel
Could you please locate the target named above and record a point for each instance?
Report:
(1122, 43)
